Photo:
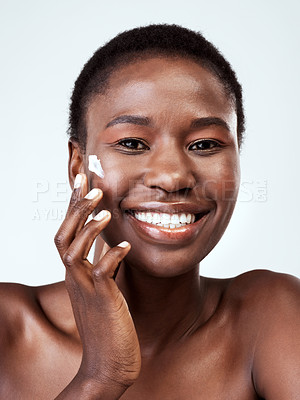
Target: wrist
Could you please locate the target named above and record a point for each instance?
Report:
(85, 388)
(95, 390)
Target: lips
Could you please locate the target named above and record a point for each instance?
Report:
(165, 207)
(155, 223)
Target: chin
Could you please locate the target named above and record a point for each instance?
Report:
(163, 263)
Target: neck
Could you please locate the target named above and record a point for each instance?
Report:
(164, 310)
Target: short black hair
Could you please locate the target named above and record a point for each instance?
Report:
(159, 39)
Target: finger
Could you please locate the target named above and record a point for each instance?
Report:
(76, 218)
(81, 202)
(105, 249)
(81, 245)
(79, 190)
(100, 249)
(75, 258)
(104, 270)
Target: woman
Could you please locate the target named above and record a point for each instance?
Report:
(162, 110)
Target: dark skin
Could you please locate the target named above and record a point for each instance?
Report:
(139, 322)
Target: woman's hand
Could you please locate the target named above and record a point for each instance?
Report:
(111, 352)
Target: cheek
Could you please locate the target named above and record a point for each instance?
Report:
(221, 179)
(119, 177)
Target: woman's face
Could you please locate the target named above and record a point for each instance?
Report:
(165, 132)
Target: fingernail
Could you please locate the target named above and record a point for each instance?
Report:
(92, 194)
(77, 182)
(101, 215)
(123, 244)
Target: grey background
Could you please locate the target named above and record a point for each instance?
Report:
(43, 47)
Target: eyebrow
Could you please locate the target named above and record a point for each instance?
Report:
(145, 121)
(129, 119)
(208, 121)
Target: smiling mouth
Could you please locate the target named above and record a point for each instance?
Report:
(166, 220)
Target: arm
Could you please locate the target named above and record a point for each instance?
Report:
(276, 367)
(85, 389)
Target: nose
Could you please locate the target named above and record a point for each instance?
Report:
(170, 169)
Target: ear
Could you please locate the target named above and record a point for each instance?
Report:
(76, 161)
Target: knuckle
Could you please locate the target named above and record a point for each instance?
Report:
(98, 274)
(81, 209)
(69, 259)
(108, 265)
(73, 200)
(59, 240)
(77, 210)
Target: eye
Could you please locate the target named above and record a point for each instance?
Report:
(133, 144)
(205, 145)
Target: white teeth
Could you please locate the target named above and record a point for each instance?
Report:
(149, 217)
(170, 221)
(165, 218)
(175, 219)
(142, 216)
(156, 218)
(182, 219)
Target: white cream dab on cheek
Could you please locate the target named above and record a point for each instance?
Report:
(95, 166)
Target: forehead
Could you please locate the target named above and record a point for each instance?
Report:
(162, 88)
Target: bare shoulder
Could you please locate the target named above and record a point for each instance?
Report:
(37, 339)
(270, 301)
(15, 299)
(265, 285)
(260, 299)
(41, 307)
(271, 305)
(16, 307)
